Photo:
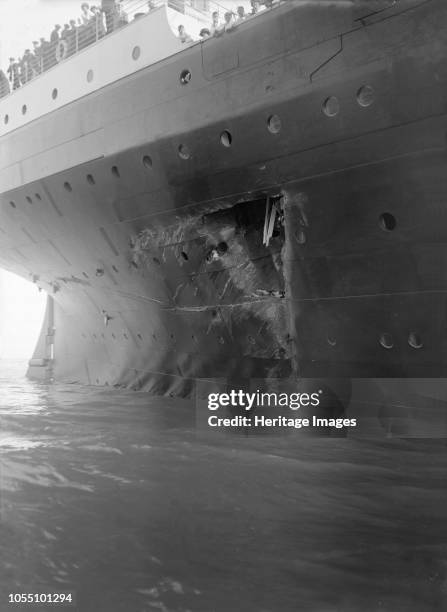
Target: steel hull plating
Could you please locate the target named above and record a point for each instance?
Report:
(144, 208)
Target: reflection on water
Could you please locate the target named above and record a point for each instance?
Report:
(114, 496)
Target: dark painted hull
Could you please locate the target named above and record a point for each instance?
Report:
(157, 264)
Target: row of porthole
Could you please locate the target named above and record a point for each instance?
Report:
(386, 340)
(28, 199)
(185, 77)
(365, 97)
(414, 340)
(220, 339)
(95, 337)
(331, 106)
(274, 126)
(387, 222)
(54, 95)
(226, 137)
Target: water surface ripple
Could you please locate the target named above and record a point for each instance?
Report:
(115, 496)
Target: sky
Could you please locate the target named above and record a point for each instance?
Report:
(21, 314)
(21, 305)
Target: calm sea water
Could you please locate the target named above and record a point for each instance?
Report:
(115, 497)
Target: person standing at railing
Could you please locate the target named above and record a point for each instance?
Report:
(215, 26)
(4, 84)
(45, 54)
(151, 5)
(84, 23)
(36, 61)
(85, 14)
(72, 37)
(13, 73)
(122, 17)
(55, 36)
(65, 32)
(22, 71)
(229, 21)
(27, 68)
(97, 22)
(183, 35)
(241, 16)
(255, 5)
(108, 10)
(54, 41)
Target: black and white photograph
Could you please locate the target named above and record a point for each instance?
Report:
(223, 305)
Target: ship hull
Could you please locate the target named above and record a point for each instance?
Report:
(279, 215)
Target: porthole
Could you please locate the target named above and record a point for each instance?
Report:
(29, 200)
(184, 255)
(90, 75)
(139, 336)
(24, 109)
(184, 152)
(386, 340)
(365, 96)
(37, 196)
(115, 171)
(185, 77)
(156, 260)
(12, 204)
(387, 222)
(274, 124)
(415, 341)
(6, 119)
(136, 52)
(90, 179)
(226, 138)
(115, 269)
(67, 186)
(331, 106)
(54, 93)
(147, 162)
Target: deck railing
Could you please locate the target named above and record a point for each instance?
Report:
(91, 27)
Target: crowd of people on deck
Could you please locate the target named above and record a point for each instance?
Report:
(231, 20)
(94, 23)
